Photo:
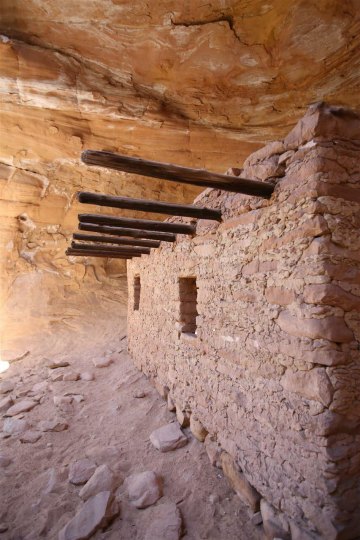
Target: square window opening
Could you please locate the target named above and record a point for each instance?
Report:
(137, 290)
(188, 304)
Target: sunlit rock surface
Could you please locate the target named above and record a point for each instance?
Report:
(194, 83)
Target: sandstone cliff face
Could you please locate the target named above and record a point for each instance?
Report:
(196, 84)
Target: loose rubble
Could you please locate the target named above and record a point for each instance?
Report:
(69, 460)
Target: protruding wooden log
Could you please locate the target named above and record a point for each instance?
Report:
(124, 231)
(175, 173)
(127, 250)
(112, 240)
(187, 210)
(75, 253)
(147, 224)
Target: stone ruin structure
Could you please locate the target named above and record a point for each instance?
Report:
(251, 329)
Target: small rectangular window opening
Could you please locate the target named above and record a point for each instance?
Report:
(137, 289)
(188, 304)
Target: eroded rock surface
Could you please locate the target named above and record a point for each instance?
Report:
(219, 79)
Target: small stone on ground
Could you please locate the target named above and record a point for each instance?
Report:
(103, 479)
(87, 376)
(71, 376)
(102, 362)
(30, 436)
(20, 407)
(144, 489)
(5, 461)
(5, 403)
(140, 394)
(57, 424)
(80, 471)
(13, 426)
(169, 437)
(55, 364)
(6, 386)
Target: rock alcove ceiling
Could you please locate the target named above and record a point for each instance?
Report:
(193, 83)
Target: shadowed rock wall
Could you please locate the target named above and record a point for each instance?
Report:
(273, 370)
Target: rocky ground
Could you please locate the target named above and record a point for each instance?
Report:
(77, 461)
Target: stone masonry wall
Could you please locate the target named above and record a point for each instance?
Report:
(273, 371)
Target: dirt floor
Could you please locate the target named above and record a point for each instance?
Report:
(109, 426)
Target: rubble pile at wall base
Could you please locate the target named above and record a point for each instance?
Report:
(272, 371)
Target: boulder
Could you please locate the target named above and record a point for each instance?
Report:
(95, 514)
(169, 437)
(144, 489)
(81, 470)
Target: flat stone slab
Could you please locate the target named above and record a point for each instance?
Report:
(57, 424)
(54, 364)
(96, 513)
(81, 470)
(164, 523)
(14, 426)
(40, 387)
(21, 407)
(103, 479)
(169, 437)
(30, 436)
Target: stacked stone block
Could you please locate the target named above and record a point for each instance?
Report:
(273, 371)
